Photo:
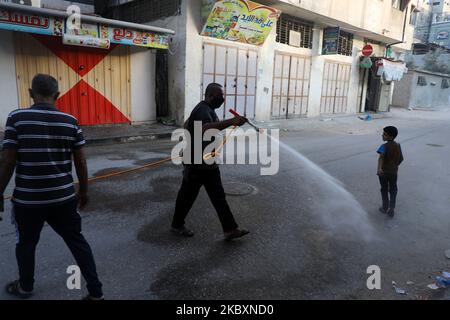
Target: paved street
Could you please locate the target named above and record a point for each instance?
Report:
(307, 240)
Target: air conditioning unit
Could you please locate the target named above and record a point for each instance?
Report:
(32, 3)
(295, 38)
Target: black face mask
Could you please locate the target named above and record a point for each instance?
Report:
(217, 102)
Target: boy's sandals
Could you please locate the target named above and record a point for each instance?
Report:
(13, 288)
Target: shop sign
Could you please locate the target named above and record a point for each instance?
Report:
(94, 34)
(22, 22)
(330, 40)
(85, 41)
(240, 21)
(135, 38)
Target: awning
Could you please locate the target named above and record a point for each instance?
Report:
(90, 31)
(391, 70)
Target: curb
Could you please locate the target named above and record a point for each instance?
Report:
(125, 139)
(119, 139)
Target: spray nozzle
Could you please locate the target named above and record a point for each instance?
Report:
(236, 114)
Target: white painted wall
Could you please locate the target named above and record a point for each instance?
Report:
(63, 5)
(373, 15)
(8, 85)
(143, 104)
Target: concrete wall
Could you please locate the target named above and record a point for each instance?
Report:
(8, 86)
(403, 91)
(409, 94)
(63, 5)
(143, 104)
(177, 62)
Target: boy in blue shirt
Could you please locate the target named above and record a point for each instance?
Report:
(390, 158)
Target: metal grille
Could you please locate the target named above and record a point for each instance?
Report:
(290, 86)
(345, 46)
(141, 11)
(287, 23)
(335, 87)
(235, 69)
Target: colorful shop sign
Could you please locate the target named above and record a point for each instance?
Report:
(86, 41)
(135, 38)
(95, 35)
(22, 22)
(240, 21)
(330, 40)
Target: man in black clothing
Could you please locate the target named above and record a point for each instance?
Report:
(39, 144)
(196, 175)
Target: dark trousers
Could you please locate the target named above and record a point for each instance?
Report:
(193, 180)
(389, 190)
(64, 220)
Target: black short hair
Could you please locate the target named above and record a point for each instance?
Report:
(391, 131)
(44, 85)
(210, 89)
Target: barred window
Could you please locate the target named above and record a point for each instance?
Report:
(345, 46)
(445, 84)
(287, 23)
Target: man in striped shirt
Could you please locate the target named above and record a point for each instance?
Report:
(39, 144)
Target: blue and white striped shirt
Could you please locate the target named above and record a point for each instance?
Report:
(45, 139)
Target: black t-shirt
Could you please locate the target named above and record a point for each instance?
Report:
(204, 113)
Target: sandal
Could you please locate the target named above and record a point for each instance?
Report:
(13, 288)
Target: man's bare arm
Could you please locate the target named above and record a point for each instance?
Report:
(82, 174)
(380, 165)
(222, 125)
(9, 159)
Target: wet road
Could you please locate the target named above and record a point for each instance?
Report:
(306, 241)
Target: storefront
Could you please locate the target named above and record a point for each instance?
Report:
(104, 68)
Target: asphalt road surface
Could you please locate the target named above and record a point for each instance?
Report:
(308, 239)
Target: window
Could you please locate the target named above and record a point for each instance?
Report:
(421, 81)
(445, 84)
(287, 23)
(345, 45)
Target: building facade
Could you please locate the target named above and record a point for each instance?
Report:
(294, 73)
(110, 82)
(432, 22)
(285, 78)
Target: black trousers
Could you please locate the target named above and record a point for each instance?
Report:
(193, 180)
(64, 220)
(389, 190)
